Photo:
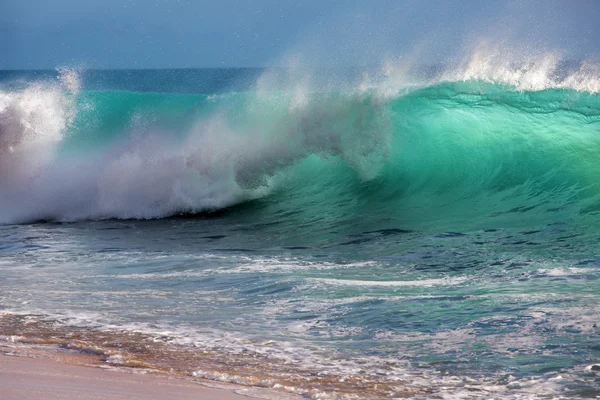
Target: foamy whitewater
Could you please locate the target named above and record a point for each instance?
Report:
(421, 231)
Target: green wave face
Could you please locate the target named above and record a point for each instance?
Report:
(477, 150)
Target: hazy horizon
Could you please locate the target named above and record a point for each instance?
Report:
(270, 33)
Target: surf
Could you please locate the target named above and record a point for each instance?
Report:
(509, 142)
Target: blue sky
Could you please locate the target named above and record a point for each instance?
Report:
(229, 33)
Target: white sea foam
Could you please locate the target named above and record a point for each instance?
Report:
(568, 271)
(419, 283)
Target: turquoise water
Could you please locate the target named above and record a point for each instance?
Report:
(443, 233)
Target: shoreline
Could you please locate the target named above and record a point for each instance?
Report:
(41, 363)
(251, 373)
(31, 373)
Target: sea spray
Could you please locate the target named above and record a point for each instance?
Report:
(33, 121)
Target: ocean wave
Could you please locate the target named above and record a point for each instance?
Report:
(482, 138)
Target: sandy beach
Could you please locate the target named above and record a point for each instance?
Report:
(24, 378)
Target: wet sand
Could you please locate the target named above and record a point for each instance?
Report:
(138, 358)
(25, 378)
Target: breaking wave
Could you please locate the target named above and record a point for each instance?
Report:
(486, 137)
